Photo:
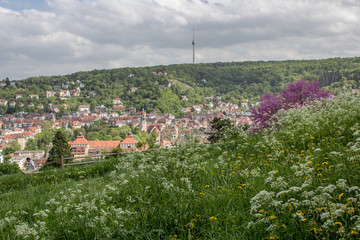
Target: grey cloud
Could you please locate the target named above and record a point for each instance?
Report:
(79, 35)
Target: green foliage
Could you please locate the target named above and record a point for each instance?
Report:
(45, 138)
(31, 144)
(9, 168)
(8, 150)
(224, 131)
(15, 145)
(60, 149)
(235, 82)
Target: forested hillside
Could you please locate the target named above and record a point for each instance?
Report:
(162, 87)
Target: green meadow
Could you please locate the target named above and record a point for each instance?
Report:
(298, 179)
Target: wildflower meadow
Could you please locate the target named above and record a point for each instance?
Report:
(297, 179)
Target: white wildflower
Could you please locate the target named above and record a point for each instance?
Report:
(329, 188)
(341, 183)
(25, 231)
(279, 183)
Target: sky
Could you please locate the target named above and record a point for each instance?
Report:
(59, 37)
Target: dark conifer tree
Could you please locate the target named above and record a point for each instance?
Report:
(60, 148)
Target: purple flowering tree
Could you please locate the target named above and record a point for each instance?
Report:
(269, 105)
(295, 94)
(298, 93)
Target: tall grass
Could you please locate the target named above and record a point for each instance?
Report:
(300, 180)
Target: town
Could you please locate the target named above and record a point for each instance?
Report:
(21, 127)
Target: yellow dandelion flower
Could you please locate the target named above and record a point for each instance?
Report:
(271, 217)
(190, 225)
(213, 219)
(340, 195)
(207, 186)
(202, 194)
(322, 209)
(338, 224)
(300, 212)
(354, 232)
(325, 163)
(261, 211)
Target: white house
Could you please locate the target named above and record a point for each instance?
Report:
(83, 108)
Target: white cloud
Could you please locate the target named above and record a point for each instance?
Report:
(75, 35)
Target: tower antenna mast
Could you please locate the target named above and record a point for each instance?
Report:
(193, 43)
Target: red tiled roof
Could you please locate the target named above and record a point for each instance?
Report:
(79, 140)
(104, 144)
(129, 140)
(8, 136)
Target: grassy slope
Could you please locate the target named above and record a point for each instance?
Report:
(299, 181)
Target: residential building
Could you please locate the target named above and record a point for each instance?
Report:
(3, 102)
(81, 147)
(83, 108)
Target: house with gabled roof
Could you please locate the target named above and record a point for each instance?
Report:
(116, 101)
(3, 102)
(75, 92)
(83, 108)
(129, 143)
(34, 96)
(118, 108)
(49, 94)
(134, 89)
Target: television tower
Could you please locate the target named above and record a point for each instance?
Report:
(193, 43)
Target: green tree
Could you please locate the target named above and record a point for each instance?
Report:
(8, 150)
(15, 145)
(31, 144)
(60, 149)
(219, 127)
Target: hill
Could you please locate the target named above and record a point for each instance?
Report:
(297, 181)
(149, 87)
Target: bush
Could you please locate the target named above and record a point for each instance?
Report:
(9, 168)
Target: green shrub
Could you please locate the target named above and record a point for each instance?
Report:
(9, 168)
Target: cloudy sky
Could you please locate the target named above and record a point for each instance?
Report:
(57, 37)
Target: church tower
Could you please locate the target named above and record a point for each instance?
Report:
(143, 121)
